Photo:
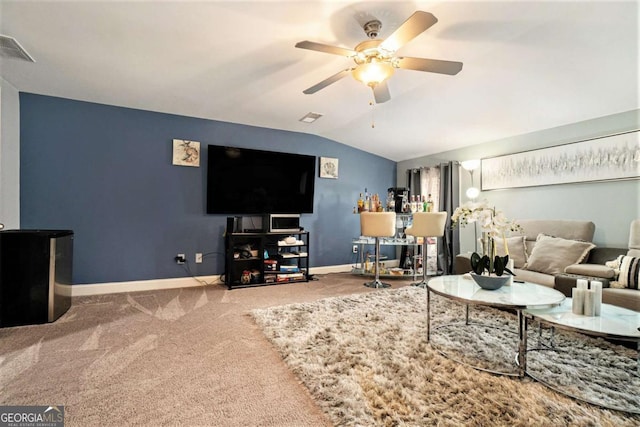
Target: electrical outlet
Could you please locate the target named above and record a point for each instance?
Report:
(180, 259)
(198, 258)
(355, 249)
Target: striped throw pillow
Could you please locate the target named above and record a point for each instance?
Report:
(629, 269)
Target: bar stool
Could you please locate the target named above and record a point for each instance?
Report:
(378, 224)
(426, 224)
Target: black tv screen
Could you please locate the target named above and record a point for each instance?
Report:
(248, 181)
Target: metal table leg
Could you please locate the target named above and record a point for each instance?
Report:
(522, 346)
(428, 314)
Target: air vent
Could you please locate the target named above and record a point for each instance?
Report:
(10, 48)
(311, 117)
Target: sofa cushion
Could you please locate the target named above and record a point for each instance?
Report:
(634, 238)
(516, 247)
(534, 277)
(593, 270)
(629, 269)
(566, 229)
(627, 298)
(552, 255)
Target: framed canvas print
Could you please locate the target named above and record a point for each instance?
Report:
(328, 167)
(186, 153)
(607, 158)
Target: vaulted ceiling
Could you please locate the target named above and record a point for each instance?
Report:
(528, 65)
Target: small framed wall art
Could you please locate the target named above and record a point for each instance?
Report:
(186, 153)
(328, 167)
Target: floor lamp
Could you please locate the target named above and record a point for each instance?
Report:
(472, 192)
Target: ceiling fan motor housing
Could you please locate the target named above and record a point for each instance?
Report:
(372, 28)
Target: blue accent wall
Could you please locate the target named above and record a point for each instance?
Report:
(105, 172)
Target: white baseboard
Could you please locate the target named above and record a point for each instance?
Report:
(180, 282)
(142, 285)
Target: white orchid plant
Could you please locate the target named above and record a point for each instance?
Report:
(494, 225)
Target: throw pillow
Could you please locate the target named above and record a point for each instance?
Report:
(551, 255)
(615, 265)
(515, 245)
(629, 269)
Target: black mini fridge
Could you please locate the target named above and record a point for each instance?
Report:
(35, 275)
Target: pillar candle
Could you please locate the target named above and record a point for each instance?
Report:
(577, 302)
(510, 267)
(582, 284)
(589, 302)
(596, 286)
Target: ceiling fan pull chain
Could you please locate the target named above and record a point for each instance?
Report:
(373, 118)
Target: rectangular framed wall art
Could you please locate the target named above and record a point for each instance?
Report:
(612, 157)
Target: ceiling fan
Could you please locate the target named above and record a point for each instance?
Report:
(375, 58)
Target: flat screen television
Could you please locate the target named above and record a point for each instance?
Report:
(248, 181)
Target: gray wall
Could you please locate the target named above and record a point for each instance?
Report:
(610, 205)
(9, 156)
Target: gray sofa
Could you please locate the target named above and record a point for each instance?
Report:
(595, 269)
(547, 260)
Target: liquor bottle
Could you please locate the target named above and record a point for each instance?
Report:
(425, 205)
(360, 203)
(419, 204)
(367, 201)
(391, 203)
(430, 204)
(408, 264)
(412, 205)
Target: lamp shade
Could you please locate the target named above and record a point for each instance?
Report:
(373, 73)
(470, 165)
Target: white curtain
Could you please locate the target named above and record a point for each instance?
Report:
(430, 184)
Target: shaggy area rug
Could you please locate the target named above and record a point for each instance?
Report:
(366, 361)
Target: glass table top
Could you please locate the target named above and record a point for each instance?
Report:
(613, 321)
(516, 295)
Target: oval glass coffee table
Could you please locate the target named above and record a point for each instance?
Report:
(517, 297)
(603, 375)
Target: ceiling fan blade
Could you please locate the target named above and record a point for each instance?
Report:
(416, 24)
(326, 82)
(335, 50)
(430, 65)
(381, 93)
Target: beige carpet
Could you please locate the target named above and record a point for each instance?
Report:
(366, 361)
(190, 357)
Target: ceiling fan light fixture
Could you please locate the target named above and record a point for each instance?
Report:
(373, 73)
(375, 59)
